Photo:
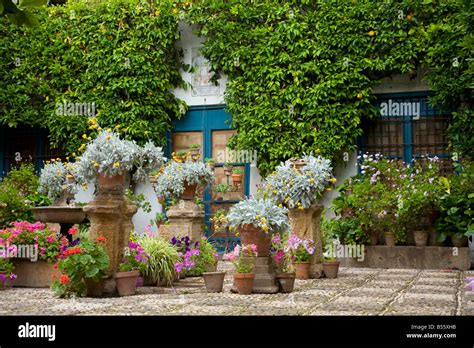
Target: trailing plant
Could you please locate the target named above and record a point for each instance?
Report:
(171, 182)
(120, 55)
(299, 188)
(261, 213)
(162, 257)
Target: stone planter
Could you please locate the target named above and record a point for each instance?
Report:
(39, 274)
(126, 282)
(250, 234)
(244, 283)
(421, 237)
(302, 269)
(95, 288)
(459, 242)
(286, 282)
(389, 239)
(305, 224)
(189, 192)
(214, 281)
(331, 269)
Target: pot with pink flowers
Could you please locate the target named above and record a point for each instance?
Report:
(301, 251)
(7, 277)
(282, 261)
(243, 259)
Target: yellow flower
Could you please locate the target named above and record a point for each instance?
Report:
(109, 130)
(257, 216)
(96, 165)
(300, 207)
(333, 180)
(280, 205)
(108, 137)
(311, 180)
(275, 191)
(116, 164)
(264, 220)
(265, 227)
(328, 189)
(99, 129)
(84, 136)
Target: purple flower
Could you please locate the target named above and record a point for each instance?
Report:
(2, 277)
(173, 241)
(178, 267)
(13, 276)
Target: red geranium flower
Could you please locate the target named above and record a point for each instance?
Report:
(72, 231)
(64, 279)
(101, 239)
(55, 265)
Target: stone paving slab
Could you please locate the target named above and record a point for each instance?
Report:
(357, 291)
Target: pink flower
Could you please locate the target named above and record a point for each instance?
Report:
(50, 239)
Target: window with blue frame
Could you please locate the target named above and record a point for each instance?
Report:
(408, 128)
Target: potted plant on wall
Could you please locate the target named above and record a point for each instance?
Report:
(180, 180)
(282, 260)
(255, 220)
(82, 269)
(228, 168)
(300, 251)
(243, 259)
(222, 190)
(237, 175)
(194, 151)
(210, 163)
(134, 263)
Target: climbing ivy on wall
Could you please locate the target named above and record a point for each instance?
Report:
(302, 72)
(118, 54)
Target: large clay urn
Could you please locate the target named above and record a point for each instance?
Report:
(249, 234)
(111, 182)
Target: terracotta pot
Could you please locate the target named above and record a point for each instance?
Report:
(211, 165)
(39, 274)
(179, 159)
(195, 152)
(389, 239)
(237, 178)
(421, 237)
(331, 269)
(113, 182)
(95, 288)
(126, 282)
(214, 281)
(459, 242)
(286, 282)
(249, 234)
(189, 191)
(302, 269)
(244, 283)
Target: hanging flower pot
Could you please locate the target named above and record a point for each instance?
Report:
(302, 269)
(214, 281)
(249, 234)
(126, 282)
(286, 282)
(244, 283)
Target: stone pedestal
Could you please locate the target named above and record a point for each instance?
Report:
(110, 215)
(186, 218)
(305, 224)
(265, 281)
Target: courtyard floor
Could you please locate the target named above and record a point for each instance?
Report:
(357, 291)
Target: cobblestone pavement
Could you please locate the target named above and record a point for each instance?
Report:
(357, 291)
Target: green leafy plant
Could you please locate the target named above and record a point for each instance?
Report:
(210, 160)
(243, 258)
(194, 146)
(135, 258)
(222, 188)
(86, 260)
(237, 171)
(98, 51)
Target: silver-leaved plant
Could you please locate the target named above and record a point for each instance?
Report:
(53, 179)
(170, 183)
(262, 213)
(299, 188)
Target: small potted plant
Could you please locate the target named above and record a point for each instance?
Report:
(222, 190)
(213, 278)
(255, 221)
(210, 163)
(160, 219)
(180, 180)
(82, 269)
(7, 276)
(228, 168)
(237, 175)
(219, 221)
(243, 259)
(285, 272)
(330, 267)
(194, 150)
(179, 156)
(301, 251)
(134, 264)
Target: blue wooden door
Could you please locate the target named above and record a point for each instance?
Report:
(209, 126)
